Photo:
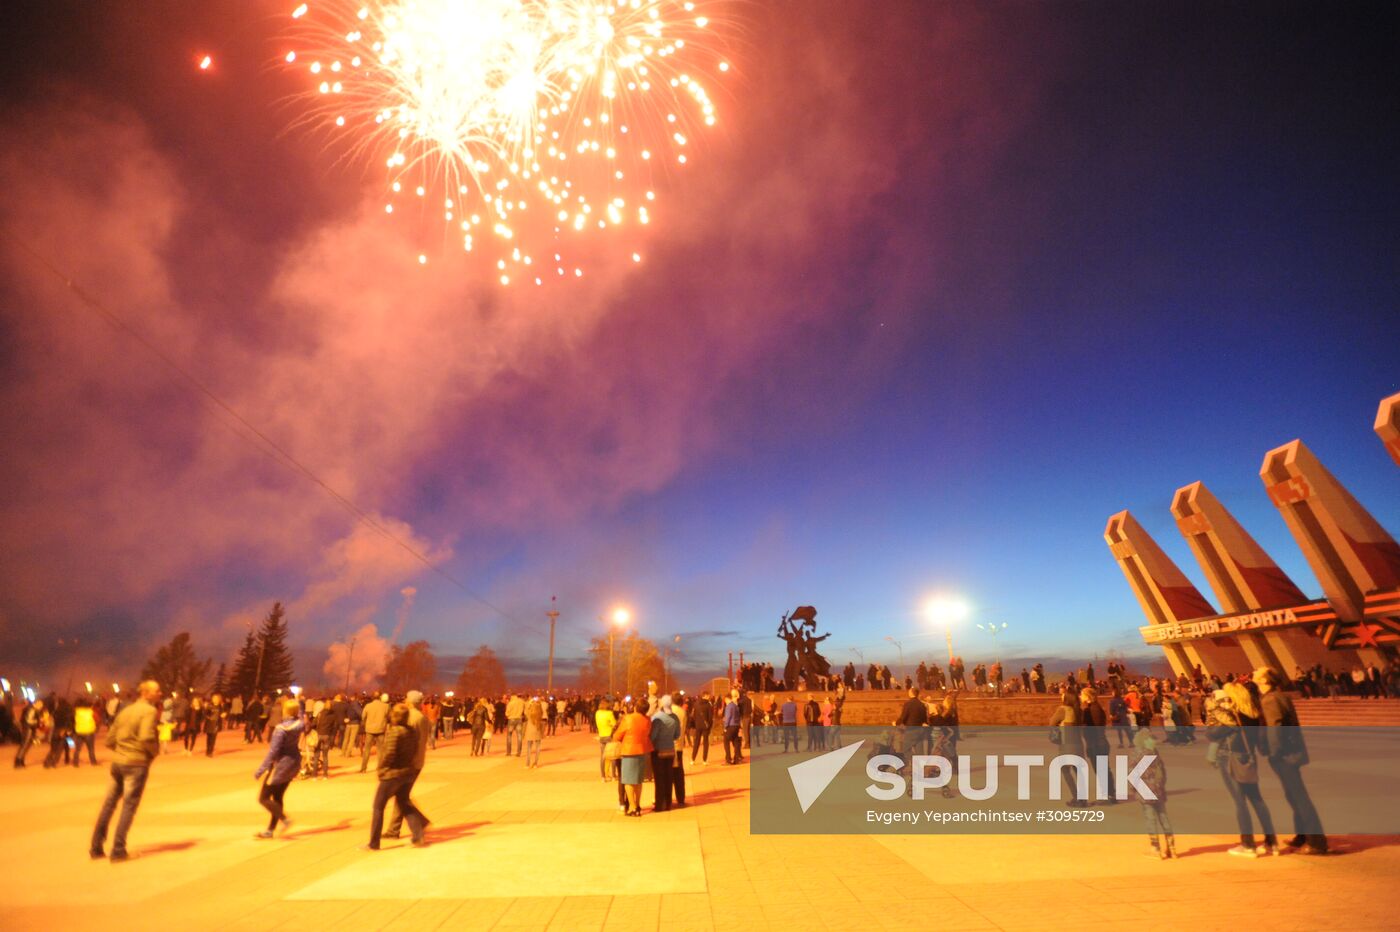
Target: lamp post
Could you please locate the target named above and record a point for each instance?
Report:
(620, 617)
(349, 663)
(665, 664)
(553, 615)
(993, 630)
(900, 647)
(943, 610)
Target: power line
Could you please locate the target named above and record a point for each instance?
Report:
(241, 426)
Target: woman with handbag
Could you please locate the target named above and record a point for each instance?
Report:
(1233, 717)
(280, 766)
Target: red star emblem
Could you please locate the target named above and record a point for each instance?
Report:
(1366, 635)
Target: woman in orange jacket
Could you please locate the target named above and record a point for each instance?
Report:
(634, 734)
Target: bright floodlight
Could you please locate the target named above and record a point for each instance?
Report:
(621, 616)
(945, 610)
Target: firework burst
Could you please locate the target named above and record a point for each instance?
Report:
(522, 124)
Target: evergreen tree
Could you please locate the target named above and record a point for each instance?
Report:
(276, 659)
(175, 665)
(220, 679)
(245, 667)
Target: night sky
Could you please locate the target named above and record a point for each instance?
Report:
(948, 284)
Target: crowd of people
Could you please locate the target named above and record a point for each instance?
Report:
(648, 738)
(653, 738)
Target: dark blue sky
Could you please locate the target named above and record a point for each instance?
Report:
(953, 283)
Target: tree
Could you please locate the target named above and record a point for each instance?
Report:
(245, 666)
(643, 664)
(220, 680)
(634, 661)
(410, 666)
(175, 665)
(483, 675)
(275, 659)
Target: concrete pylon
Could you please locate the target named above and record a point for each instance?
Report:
(1246, 579)
(1348, 550)
(1168, 597)
(1388, 425)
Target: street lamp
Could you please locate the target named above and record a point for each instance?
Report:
(666, 655)
(901, 654)
(993, 629)
(620, 618)
(944, 610)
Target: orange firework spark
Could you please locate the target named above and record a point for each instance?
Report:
(526, 120)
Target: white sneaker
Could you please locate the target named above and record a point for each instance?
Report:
(1240, 851)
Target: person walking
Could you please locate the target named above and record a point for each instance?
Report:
(733, 742)
(534, 732)
(1282, 743)
(35, 725)
(134, 742)
(326, 724)
(213, 721)
(1067, 718)
(194, 724)
(1096, 747)
(665, 733)
(375, 720)
(422, 730)
(85, 730)
(280, 767)
(252, 718)
(633, 735)
(480, 721)
(60, 734)
(396, 774)
(1234, 734)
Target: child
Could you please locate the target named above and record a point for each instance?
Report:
(165, 732)
(1154, 777)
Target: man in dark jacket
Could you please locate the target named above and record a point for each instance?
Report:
(812, 718)
(703, 723)
(909, 733)
(1282, 742)
(1095, 736)
(422, 729)
(396, 776)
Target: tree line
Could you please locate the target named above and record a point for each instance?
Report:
(263, 664)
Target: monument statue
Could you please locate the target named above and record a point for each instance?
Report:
(799, 629)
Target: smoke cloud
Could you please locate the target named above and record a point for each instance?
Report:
(359, 659)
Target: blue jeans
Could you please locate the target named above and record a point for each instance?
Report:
(1154, 813)
(128, 783)
(513, 728)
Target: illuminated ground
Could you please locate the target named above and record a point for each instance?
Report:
(547, 848)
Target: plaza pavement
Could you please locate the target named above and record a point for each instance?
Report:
(517, 849)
